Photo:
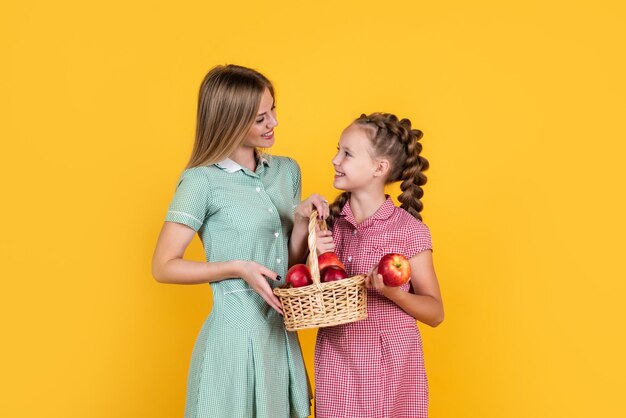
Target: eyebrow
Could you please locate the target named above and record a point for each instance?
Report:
(261, 114)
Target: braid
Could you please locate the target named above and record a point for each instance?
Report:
(336, 207)
(396, 140)
(413, 177)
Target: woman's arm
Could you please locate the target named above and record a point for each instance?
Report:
(424, 304)
(298, 246)
(168, 265)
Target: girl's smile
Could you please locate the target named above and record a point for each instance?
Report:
(353, 163)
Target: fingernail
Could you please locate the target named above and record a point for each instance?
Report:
(278, 278)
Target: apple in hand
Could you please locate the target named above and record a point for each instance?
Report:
(395, 269)
(329, 259)
(332, 273)
(299, 275)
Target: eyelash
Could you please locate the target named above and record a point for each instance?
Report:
(263, 118)
(346, 153)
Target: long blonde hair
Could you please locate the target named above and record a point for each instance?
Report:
(229, 98)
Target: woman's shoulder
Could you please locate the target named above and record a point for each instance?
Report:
(200, 171)
(200, 175)
(282, 162)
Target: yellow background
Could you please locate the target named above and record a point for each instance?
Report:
(522, 104)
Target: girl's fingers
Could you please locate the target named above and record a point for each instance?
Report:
(379, 280)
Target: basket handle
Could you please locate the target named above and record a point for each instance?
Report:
(312, 259)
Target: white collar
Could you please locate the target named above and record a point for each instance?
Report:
(231, 166)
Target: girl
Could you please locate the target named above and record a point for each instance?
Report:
(375, 367)
(241, 202)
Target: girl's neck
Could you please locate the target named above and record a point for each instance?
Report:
(365, 203)
(245, 157)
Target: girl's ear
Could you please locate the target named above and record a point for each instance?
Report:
(382, 168)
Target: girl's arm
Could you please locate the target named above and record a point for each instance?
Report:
(168, 265)
(424, 304)
(298, 242)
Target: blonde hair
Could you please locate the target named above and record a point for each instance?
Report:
(228, 101)
(398, 141)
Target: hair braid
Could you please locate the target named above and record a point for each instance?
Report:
(336, 207)
(396, 140)
(413, 177)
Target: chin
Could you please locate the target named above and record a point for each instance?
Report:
(337, 185)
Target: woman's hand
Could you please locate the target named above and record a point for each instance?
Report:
(256, 276)
(305, 208)
(324, 241)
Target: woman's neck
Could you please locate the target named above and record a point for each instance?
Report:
(245, 157)
(365, 203)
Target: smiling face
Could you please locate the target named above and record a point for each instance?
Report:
(261, 133)
(355, 166)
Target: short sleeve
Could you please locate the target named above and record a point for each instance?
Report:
(420, 239)
(296, 176)
(190, 204)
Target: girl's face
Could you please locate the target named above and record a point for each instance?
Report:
(355, 168)
(261, 133)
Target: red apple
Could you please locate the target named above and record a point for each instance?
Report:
(332, 273)
(395, 269)
(299, 275)
(329, 259)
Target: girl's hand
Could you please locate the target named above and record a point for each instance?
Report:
(324, 241)
(305, 208)
(256, 276)
(373, 280)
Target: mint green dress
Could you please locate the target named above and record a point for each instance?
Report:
(244, 363)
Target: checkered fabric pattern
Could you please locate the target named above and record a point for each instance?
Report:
(374, 367)
(244, 363)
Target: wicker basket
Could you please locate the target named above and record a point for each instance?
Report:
(322, 304)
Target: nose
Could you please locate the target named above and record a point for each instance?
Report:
(336, 160)
(272, 121)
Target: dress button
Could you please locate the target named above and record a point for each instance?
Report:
(270, 210)
(276, 234)
(354, 232)
(278, 260)
(258, 189)
(349, 258)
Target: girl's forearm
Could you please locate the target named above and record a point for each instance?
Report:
(180, 271)
(423, 308)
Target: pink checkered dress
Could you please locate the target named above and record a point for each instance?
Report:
(374, 367)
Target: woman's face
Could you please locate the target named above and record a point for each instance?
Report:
(261, 133)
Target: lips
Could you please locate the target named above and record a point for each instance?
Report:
(268, 135)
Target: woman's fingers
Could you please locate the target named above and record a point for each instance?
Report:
(269, 296)
(272, 275)
(263, 288)
(323, 208)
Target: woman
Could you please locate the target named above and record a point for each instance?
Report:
(245, 206)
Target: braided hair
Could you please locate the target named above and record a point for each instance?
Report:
(396, 140)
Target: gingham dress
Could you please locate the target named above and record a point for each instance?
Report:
(374, 367)
(244, 363)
